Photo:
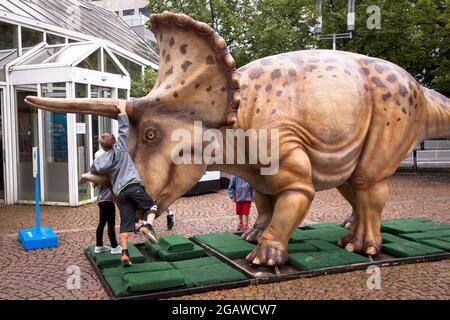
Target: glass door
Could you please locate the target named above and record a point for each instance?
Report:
(27, 131)
(2, 151)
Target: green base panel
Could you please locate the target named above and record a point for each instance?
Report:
(153, 281)
(227, 244)
(330, 234)
(323, 245)
(211, 273)
(390, 238)
(437, 234)
(409, 249)
(412, 226)
(106, 259)
(301, 247)
(156, 249)
(436, 243)
(216, 237)
(195, 262)
(175, 243)
(324, 259)
(446, 239)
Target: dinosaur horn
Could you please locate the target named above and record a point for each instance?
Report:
(100, 107)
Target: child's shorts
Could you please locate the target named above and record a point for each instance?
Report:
(243, 208)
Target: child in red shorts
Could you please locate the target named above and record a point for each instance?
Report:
(241, 192)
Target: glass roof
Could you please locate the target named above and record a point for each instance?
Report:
(84, 17)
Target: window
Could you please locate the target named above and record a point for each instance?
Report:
(92, 62)
(54, 39)
(128, 12)
(8, 40)
(110, 65)
(31, 37)
(144, 11)
(42, 55)
(134, 69)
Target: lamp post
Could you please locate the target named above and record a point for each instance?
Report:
(335, 36)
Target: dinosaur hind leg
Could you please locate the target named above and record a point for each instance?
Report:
(264, 205)
(365, 235)
(346, 190)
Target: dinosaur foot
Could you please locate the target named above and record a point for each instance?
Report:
(361, 242)
(268, 253)
(253, 233)
(350, 221)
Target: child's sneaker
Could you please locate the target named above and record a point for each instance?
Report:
(125, 258)
(147, 230)
(240, 227)
(246, 228)
(116, 250)
(170, 220)
(101, 249)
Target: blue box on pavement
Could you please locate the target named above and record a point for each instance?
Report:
(38, 239)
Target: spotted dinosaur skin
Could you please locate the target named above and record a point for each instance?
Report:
(345, 121)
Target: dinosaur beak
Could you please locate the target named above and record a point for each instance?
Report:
(100, 107)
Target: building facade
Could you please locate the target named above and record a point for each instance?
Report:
(69, 49)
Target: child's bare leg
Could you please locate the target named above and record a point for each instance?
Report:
(124, 240)
(246, 220)
(241, 219)
(151, 218)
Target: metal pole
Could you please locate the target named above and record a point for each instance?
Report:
(37, 194)
(334, 41)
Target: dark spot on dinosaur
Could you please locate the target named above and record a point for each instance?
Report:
(255, 73)
(257, 110)
(402, 90)
(334, 76)
(197, 85)
(386, 96)
(329, 68)
(273, 111)
(170, 71)
(168, 58)
(347, 72)
(167, 87)
(285, 84)
(384, 109)
(223, 89)
(410, 85)
(257, 86)
(415, 93)
(209, 88)
(275, 74)
(368, 60)
(158, 99)
(245, 99)
(310, 67)
(378, 82)
(186, 65)
(244, 87)
(387, 124)
(210, 60)
(268, 87)
(279, 92)
(171, 42)
(320, 76)
(398, 119)
(266, 62)
(364, 71)
(182, 82)
(292, 72)
(380, 68)
(314, 60)
(397, 103)
(183, 49)
(268, 100)
(411, 101)
(391, 78)
(160, 37)
(404, 110)
(213, 102)
(175, 94)
(442, 106)
(289, 98)
(366, 87)
(415, 107)
(164, 53)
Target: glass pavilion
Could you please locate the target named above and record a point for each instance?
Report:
(39, 57)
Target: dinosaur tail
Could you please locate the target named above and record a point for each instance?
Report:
(437, 122)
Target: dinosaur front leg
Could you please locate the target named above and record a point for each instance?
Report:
(264, 205)
(295, 191)
(347, 192)
(365, 235)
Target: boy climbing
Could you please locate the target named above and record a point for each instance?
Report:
(117, 163)
(241, 192)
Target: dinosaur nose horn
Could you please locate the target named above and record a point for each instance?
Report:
(100, 107)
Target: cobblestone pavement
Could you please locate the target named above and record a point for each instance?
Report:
(41, 274)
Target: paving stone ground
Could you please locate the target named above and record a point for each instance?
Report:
(42, 274)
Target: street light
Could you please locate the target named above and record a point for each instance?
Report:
(334, 36)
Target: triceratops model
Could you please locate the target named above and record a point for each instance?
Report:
(345, 121)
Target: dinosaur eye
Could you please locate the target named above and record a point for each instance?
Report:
(150, 134)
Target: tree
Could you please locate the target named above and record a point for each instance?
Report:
(142, 87)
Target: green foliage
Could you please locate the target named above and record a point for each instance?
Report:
(414, 33)
(140, 88)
